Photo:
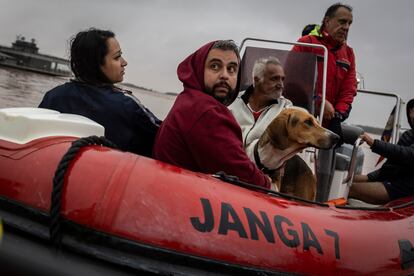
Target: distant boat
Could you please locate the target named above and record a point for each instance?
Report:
(25, 55)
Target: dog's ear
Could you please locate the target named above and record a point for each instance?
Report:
(293, 120)
(277, 131)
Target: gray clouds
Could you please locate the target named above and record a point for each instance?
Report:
(156, 35)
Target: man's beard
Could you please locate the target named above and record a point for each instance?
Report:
(278, 93)
(273, 95)
(227, 99)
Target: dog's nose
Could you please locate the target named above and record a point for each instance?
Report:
(335, 138)
(329, 140)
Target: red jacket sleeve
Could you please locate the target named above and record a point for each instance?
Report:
(348, 88)
(216, 145)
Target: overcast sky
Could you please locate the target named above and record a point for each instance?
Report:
(156, 35)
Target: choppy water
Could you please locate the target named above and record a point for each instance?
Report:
(19, 88)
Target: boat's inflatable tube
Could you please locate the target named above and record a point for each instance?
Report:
(135, 202)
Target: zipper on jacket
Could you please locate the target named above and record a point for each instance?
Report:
(255, 121)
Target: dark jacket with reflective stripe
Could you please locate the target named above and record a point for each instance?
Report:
(127, 123)
(399, 167)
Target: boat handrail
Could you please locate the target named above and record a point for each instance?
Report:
(352, 166)
(325, 63)
(236, 181)
(396, 122)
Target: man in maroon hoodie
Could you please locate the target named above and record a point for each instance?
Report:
(200, 133)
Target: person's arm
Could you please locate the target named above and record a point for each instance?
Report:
(347, 90)
(367, 138)
(398, 154)
(215, 142)
(329, 111)
(145, 127)
(402, 155)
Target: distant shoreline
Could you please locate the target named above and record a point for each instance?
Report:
(372, 130)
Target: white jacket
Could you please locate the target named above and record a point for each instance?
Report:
(251, 129)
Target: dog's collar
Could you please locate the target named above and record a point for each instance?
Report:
(259, 163)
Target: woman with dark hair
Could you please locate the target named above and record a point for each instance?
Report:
(97, 63)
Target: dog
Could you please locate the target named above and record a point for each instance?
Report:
(293, 130)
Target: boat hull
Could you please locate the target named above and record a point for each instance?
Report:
(113, 199)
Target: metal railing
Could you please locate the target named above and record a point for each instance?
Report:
(396, 122)
(352, 167)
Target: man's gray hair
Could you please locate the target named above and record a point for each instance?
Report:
(260, 66)
(331, 12)
(227, 45)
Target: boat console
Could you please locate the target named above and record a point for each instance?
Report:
(22, 125)
(339, 166)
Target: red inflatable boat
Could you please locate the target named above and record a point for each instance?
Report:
(151, 216)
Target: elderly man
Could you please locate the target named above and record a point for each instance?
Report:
(261, 102)
(200, 133)
(341, 74)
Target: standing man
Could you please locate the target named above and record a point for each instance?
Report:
(260, 103)
(200, 133)
(341, 83)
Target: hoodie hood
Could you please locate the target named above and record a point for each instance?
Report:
(410, 105)
(191, 71)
